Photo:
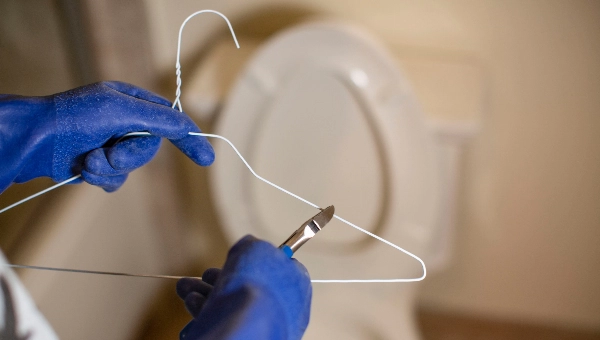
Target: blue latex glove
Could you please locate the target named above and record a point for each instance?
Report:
(259, 294)
(75, 132)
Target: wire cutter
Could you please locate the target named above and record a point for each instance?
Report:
(307, 231)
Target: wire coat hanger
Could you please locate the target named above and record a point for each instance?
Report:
(177, 103)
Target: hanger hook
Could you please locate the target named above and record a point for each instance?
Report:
(177, 101)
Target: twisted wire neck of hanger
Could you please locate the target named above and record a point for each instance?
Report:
(177, 101)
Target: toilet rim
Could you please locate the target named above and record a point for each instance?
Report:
(264, 84)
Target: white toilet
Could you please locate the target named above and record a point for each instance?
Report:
(322, 110)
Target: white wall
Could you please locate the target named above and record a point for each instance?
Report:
(529, 219)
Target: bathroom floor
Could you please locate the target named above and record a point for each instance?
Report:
(168, 316)
(446, 326)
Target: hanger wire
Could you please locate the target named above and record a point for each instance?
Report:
(177, 103)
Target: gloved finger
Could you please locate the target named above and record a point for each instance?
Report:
(301, 267)
(137, 92)
(123, 157)
(96, 163)
(194, 303)
(241, 245)
(188, 329)
(187, 285)
(132, 153)
(138, 113)
(211, 275)
(108, 183)
(197, 148)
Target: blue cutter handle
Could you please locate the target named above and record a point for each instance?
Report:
(287, 250)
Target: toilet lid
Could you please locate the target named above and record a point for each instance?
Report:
(323, 111)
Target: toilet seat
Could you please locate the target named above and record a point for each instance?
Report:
(324, 112)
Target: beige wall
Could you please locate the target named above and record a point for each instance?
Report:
(33, 61)
(528, 244)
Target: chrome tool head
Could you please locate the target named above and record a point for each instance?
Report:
(307, 230)
(322, 218)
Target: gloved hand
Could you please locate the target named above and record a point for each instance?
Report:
(75, 132)
(259, 294)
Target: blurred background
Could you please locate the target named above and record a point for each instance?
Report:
(512, 84)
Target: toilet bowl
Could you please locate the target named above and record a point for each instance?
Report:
(322, 110)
